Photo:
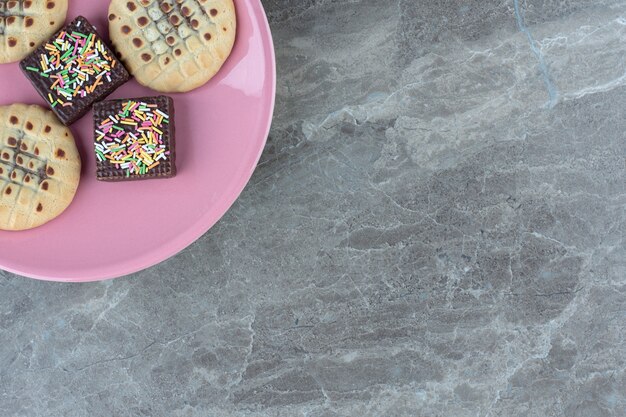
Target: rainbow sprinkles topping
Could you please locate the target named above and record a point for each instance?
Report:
(73, 69)
(78, 63)
(134, 138)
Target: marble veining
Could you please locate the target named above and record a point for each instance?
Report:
(552, 93)
(436, 228)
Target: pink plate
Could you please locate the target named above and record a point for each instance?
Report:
(112, 230)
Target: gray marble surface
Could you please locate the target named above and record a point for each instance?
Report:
(436, 228)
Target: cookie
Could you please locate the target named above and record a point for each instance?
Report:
(134, 139)
(173, 45)
(39, 167)
(24, 24)
(74, 69)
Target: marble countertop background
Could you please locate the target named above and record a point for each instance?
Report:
(436, 228)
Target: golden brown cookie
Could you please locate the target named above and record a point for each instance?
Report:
(39, 167)
(173, 45)
(24, 24)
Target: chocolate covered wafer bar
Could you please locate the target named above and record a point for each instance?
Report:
(134, 139)
(73, 70)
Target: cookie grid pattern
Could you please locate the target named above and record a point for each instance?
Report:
(23, 173)
(12, 12)
(25, 23)
(171, 41)
(36, 168)
(170, 32)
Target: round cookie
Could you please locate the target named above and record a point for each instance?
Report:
(39, 167)
(24, 24)
(173, 45)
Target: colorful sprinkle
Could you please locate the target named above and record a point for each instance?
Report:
(77, 62)
(133, 139)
